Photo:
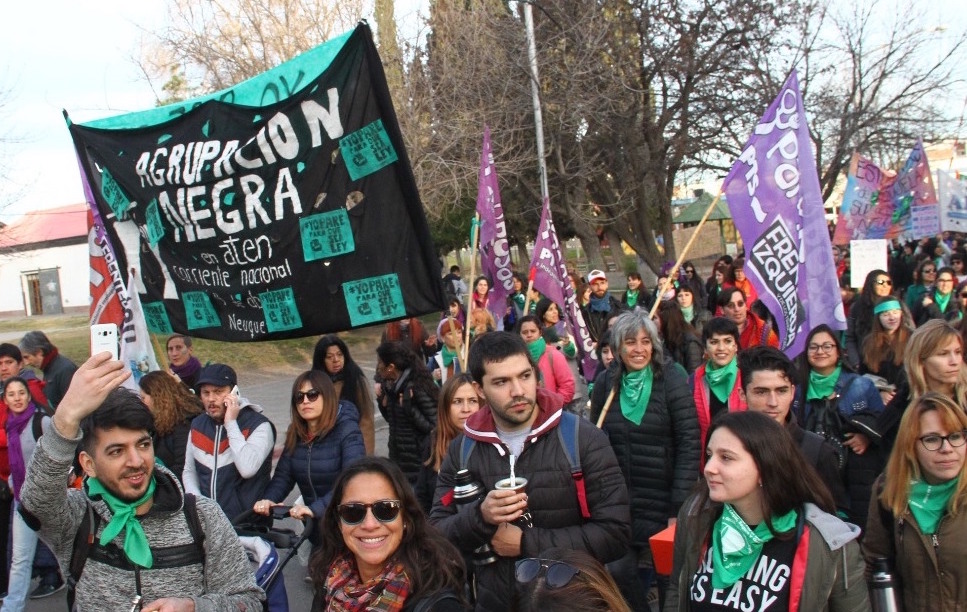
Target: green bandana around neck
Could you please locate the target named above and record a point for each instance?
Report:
(820, 386)
(721, 380)
(928, 502)
(942, 300)
(632, 297)
(635, 393)
(136, 546)
(448, 355)
(736, 547)
(688, 312)
(537, 348)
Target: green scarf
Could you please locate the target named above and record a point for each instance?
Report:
(136, 546)
(721, 380)
(448, 355)
(928, 503)
(519, 300)
(941, 300)
(635, 393)
(736, 547)
(537, 348)
(632, 297)
(821, 387)
(688, 312)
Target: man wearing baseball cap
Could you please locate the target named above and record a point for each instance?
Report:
(229, 452)
(602, 307)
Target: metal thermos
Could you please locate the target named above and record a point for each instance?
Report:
(466, 490)
(883, 594)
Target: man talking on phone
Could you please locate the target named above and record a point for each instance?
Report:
(229, 452)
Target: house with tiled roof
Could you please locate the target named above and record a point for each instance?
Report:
(44, 263)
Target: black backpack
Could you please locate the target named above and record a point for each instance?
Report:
(86, 545)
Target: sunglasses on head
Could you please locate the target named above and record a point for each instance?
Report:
(558, 573)
(354, 513)
(311, 395)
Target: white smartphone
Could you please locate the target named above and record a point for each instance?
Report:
(236, 392)
(104, 337)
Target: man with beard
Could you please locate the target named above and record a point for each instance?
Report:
(229, 452)
(588, 511)
(144, 546)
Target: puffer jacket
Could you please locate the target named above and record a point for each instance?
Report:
(314, 465)
(827, 571)
(552, 496)
(859, 406)
(411, 415)
(659, 458)
(931, 571)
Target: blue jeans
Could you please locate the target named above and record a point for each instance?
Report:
(24, 543)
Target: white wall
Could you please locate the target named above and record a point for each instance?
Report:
(73, 265)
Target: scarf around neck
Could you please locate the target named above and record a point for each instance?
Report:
(635, 393)
(721, 380)
(820, 386)
(136, 547)
(928, 503)
(188, 369)
(448, 355)
(688, 312)
(600, 304)
(942, 300)
(632, 297)
(347, 592)
(537, 348)
(736, 547)
(16, 423)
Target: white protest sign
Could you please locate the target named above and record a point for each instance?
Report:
(866, 256)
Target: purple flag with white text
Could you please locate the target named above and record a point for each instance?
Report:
(549, 273)
(494, 247)
(774, 196)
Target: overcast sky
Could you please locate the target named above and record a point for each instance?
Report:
(77, 55)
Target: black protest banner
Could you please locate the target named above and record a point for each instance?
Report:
(282, 207)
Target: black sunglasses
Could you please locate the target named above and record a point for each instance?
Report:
(311, 395)
(354, 513)
(884, 281)
(558, 573)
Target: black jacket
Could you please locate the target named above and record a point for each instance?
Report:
(411, 416)
(597, 322)
(660, 457)
(552, 497)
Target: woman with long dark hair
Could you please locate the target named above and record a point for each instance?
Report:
(860, 321)
(762, 505)
(723, 277)
(378, 552)
(408, 402)
(844, 408)
(918, 517)
(680, 340)
(322, 440)
(331, 356)
(173, 407)
(458, 400)
(885, 345)
(940, 301)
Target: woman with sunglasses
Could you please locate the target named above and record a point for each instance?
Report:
(918, 518)
(378, 551)
(761, 507)
(843, 407)
(939, 302)
(923, 278)
(564, 579)
(860, 319)
(331, 355)
(886, 344)
(691, 279)
(322, 440)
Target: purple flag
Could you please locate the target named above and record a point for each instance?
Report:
(494, 247)
(776, 204)
(549, 273)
